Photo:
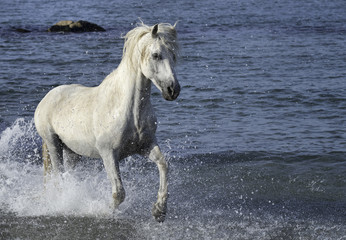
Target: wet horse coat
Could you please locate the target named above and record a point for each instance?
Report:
(115, 119)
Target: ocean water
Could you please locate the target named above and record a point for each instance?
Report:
(256, 141)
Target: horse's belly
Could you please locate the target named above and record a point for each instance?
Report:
(82, 147)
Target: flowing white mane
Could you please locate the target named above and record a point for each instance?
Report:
(167, 35)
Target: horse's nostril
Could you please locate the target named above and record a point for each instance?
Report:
(170, 91)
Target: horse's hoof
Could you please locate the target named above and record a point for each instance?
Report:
(118, 197)
(159, 212)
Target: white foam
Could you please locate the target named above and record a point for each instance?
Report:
(22, 191)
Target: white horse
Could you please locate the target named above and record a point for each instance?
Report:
(115, 119)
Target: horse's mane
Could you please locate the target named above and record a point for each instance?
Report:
(166, 34)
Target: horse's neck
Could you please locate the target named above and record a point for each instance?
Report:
(126, 88)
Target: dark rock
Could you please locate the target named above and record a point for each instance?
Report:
(22, 30)
(78, 27)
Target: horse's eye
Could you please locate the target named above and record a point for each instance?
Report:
(156, 56)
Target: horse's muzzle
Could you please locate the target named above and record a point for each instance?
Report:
(172, 92)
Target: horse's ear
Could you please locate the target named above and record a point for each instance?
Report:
(175, 24)
(154, 31)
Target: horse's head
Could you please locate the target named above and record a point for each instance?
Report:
(159, 58)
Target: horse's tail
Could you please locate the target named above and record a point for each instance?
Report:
(47, 163)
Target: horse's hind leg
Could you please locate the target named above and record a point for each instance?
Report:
(47, 164)
(52, 155)
(52, 158)
(70, 158)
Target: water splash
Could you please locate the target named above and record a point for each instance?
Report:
(20, 142)
(80, 192)
(221, 195)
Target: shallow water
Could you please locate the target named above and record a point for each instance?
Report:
(255, 142)
(212, 195)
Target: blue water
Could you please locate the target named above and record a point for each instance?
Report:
(256, 141)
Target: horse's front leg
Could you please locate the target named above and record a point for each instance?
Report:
(160, 207)
(111, 163)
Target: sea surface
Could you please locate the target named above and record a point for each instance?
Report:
(256, 141)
